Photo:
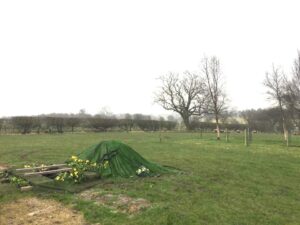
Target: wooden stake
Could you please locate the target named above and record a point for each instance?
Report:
(288, 140)
(250, 135)
(227, 135)
(246, 137)
(160, 140)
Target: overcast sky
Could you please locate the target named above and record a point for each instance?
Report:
(62, 56)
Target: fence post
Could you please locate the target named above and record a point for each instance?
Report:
(246, 137)
(288, 140)
(227, 135)
(250, 135)
(160, 140)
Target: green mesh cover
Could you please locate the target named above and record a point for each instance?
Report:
(123, 160)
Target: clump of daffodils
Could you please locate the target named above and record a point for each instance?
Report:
(142, 171)
(79, 166)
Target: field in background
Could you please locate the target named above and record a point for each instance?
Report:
(222, 183)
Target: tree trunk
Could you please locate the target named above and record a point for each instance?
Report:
(285, 131)
(186, 121)
(217, 128)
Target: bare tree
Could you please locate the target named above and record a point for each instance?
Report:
(1, 124)
(128, 122)
(72, 122)
(23, 123)
(214, 86)
(292, 96)
(276, 84)
(249, 117)
(183, 95)
(293, 86)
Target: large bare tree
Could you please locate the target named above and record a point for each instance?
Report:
(214, 86)
(293, 86)
(292, 97)
(275, 81)
(182, 94)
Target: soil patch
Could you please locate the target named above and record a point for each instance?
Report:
(118, 203)
(38, 211)
(3, 167)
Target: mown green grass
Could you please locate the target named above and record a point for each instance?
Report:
(221, 183)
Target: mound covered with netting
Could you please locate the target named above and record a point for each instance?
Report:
(105, 159)
(123, 160)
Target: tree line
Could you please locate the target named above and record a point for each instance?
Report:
(262, 120)
(265, 120)
(60, 123)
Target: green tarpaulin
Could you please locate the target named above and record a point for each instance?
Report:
(123, 160)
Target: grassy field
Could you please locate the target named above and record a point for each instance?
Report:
(222, 183)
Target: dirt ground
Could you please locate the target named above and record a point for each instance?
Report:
(38, 211)
(117, 203)
(3, 167)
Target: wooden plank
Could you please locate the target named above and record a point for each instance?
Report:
(40, 167)
(48, 172)
(26, 188)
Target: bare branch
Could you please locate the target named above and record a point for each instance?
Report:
(276, 84)
(183, 95)
(215, 94)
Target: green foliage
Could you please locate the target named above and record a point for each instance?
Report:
(20, 182)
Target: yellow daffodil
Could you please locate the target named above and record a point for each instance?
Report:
(106, 163)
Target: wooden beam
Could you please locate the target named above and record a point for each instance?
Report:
(26, 188)
(40, 167)
(48, 172)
